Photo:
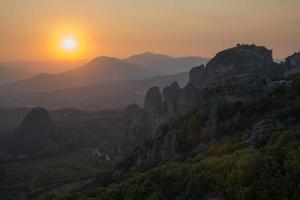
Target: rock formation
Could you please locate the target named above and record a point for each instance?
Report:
(171, 95)
(135, 133)
(240, 75)
(293, 60)
(237, 74)
(154, 108)
(293, 63)
(33, 135)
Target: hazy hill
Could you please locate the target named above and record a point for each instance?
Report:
(108, 95)
(9, 74)
(44, 66)
(102, 83)
(166, 64)
(98, 70)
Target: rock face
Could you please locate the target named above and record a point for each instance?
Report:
(34, 134)
(157, 152)
(135, 132)
(236, 76)
(171, 95)
(154, 108)
(243, 59)
(293, 63)
(293, 60)
(260, 129)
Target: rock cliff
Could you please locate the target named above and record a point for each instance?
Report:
(237, 76)
(33, 135)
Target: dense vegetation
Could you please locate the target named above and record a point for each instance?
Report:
(234, 168)
(88, 143)
(231, 171)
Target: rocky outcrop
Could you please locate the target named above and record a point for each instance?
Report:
(154, 109)
(171, 95)
(293, 64)
(33, 135)
(259, 130)
(135, 132)
(237, 74)
(156, 152)
(243, 59)
(293, 60)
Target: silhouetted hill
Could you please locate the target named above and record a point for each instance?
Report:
(9, 74)
(98, 70)
(102, 83)
(166, 64)
(37, 67)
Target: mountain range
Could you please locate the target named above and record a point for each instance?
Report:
(10, 74)
(104, 77)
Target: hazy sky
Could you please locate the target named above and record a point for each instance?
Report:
(31, 29)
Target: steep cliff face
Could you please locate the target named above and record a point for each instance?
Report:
(237, 74)
(156, 152)
(154, 109)
(171, 95)
(243, 59)
(293, 63)
(136, 130)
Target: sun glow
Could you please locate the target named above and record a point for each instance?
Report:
(69, 42)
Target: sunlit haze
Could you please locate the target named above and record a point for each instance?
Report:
(83, 29)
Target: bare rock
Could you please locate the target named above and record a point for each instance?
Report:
(260, 129)
(171, 95)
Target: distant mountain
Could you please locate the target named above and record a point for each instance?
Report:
(37, 67)
(10, 74)
(109, 95)
(166, 64)
(102, 83)
(98, 70)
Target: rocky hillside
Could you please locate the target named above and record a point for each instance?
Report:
(231, 133)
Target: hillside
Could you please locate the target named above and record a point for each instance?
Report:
(99, 70)
(36, 67)
(166, 64)
(239, 139)
(10, 74)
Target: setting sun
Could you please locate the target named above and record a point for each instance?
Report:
(69, 44)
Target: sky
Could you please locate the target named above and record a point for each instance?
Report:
(35, 29)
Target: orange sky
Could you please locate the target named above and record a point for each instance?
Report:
(33, 29)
